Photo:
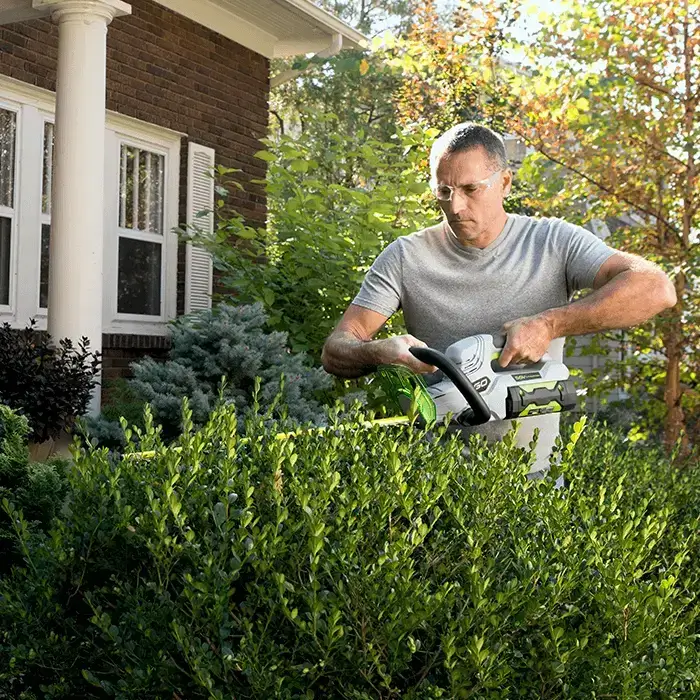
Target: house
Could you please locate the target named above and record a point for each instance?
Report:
(111, 117)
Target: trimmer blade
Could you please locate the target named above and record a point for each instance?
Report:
(403, 387)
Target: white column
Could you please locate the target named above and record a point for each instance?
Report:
(77, 221)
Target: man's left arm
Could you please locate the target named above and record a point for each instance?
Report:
(628, 290)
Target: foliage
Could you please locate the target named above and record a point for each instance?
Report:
(358, 563)
(119, 400)
(332, 209)
(439, 86)
(230, 343)
(348, 171)
(610, 100)
(37, 488)
(366, 15)
(355, 86)
(633, 362)
(447, 66)
(50, 385)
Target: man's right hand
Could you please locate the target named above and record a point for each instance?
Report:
(395, 351)
(350, 351)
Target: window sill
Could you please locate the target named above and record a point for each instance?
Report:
(137, 327)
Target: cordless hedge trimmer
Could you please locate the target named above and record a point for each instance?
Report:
(475, 388)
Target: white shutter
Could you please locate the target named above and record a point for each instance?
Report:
(200, 197)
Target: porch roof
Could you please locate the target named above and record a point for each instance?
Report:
(273, 28)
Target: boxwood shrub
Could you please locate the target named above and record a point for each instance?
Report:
(358, 563)
(37, 488)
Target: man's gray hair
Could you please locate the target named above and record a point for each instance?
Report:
(465, 137)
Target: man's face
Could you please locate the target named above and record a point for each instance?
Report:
(472, 213)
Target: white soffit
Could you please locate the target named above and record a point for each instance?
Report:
(273, 28)
(18, 11)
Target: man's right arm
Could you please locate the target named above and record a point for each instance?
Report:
(351, 352)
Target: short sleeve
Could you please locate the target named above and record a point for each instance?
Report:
(585, 254)
(381, 288)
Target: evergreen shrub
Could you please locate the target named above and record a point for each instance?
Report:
(228, 342)
(361, 563)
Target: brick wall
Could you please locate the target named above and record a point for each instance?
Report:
(125, 349)
(167, 70)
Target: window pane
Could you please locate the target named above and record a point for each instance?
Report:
(139, 277)
(141, 190)
(44, 278)
(5, 233)
(7, 157)
(48, 169)
(125, 183)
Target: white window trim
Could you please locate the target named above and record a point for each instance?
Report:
(8, 311)
(34, 106)
(47, 118)
(120, 132)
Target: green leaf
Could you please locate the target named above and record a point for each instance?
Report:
(299, 166)
(266, 156)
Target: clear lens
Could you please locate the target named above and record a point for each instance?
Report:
(443, 193)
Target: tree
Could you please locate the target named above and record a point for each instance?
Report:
(370, 15)
(449, 73)
(612, 98)
(355, 85)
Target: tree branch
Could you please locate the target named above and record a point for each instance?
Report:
(541, 148)
(660, 150)
(648, 83)
(276, 115)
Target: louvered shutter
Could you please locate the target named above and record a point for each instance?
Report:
(200, 197)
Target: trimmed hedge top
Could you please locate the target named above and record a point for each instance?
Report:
(359, 563)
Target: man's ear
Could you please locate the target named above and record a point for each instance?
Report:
(507, 182)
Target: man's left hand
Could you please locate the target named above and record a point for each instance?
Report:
(528, 339)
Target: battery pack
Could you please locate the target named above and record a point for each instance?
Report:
(539, 398)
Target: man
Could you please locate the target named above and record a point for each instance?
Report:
(482, 270)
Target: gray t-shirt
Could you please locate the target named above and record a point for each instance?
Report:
(448, 291)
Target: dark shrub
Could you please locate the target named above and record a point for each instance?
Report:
(49, 384)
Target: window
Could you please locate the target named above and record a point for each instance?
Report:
(141, 207)
(8, 134)
(46, 181)
(141, 178)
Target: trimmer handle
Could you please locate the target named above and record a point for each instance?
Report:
(499, 342)
(480, 410)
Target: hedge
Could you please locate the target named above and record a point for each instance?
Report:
(358, 563)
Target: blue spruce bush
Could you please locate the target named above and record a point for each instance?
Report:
(230, 343)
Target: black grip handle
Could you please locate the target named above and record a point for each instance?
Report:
(482, 414)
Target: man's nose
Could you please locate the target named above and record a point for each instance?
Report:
(458, 203)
